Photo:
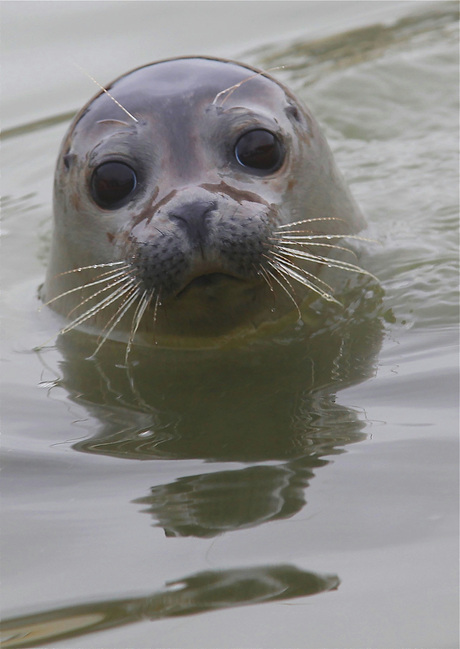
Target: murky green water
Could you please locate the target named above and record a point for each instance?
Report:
(313, 476)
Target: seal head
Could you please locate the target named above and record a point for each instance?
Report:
(180, 197)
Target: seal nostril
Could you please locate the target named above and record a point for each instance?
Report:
(193, 217)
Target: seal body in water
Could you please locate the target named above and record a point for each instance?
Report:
(194, 198)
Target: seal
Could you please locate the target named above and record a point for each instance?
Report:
(194, 198)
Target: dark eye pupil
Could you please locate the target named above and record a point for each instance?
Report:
(111, 183)
(260, 151)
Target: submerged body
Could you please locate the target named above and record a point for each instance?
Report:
(199, 200)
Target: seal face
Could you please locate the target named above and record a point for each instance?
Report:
(190, 200)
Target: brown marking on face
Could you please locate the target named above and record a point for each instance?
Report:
(110, 237)
(164, 200)
(238, 195)
(151, 207)
(291, 184)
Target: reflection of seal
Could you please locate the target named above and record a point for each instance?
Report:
(198, 198)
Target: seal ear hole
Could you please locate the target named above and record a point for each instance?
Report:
(68, 159)
(292, 111)
(111, 183)
(259, 151)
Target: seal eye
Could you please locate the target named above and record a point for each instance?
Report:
(111, 183)
(259, 151)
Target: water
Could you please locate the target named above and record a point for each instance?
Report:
(317, 478)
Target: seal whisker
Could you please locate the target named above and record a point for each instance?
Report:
(231, 89)
(269, 260)
(128, 301)
(288, 260)
(309, 237)
(279, 282)
(326, 261)
(94, 310)
(266, 274)
(103, 304)
(100, 279)
(108, 286)
(303, 277)
(107, 93)
(288, 242)
(91, 267)
(130, 289)
(263, 272)
(143, 305)
(316, 219)
(155, 313)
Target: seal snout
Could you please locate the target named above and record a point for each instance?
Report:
(199, 239)
(193, 217)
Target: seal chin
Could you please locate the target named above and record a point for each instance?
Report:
(212, 305)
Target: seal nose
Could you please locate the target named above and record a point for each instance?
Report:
(193, 218)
